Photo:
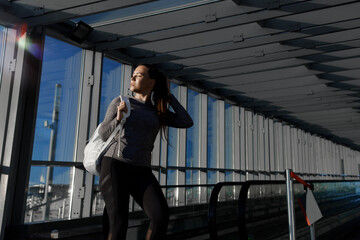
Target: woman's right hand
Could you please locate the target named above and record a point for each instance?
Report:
(120, 109)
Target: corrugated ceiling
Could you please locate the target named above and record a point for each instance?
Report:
(294, 60)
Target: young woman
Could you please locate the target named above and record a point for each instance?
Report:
(126, 166)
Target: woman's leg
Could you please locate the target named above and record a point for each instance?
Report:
(114, 189)
(149, 196)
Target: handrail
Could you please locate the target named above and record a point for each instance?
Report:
(213, 204)
(242, 229)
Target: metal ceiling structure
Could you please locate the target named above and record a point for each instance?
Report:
(293, 60)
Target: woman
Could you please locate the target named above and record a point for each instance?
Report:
(126, 166)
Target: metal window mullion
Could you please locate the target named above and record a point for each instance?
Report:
(95, 93)
(10, 95)
(242, 141)
(76, 204)
(261, 146)
(126, 77)
(256, 145)
(293, 149)
(271, 148)
(307, 160)
(221, 134)
(249, 145)
(203, 144)
(300, 150)
(203, 131)
(266, 148)
(236, 137)
(288, 148)
(6, 87)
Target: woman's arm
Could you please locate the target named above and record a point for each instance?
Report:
(110, 122)
(180, 118)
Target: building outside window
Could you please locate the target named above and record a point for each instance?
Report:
(50, 188)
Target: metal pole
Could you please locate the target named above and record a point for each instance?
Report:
(312, 232)
(290, 204)
(52, 147)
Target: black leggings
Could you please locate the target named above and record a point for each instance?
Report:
(118, 181)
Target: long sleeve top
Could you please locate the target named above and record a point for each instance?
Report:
(140, 129)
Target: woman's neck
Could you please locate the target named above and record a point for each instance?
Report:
(142, 97)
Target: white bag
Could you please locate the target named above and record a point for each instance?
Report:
(96, 148)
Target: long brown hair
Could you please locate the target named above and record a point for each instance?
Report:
(160, 96)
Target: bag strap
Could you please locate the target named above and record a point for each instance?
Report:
(118, 127)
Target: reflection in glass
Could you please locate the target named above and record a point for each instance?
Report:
(172, 195)
(193, 193)
(48, 200)
(192, 134)
(58, 102)
(110, 84)
(229, 157)
(173, 133)
(212, 133)
(98, 203)
(2, 50)
(211, 179)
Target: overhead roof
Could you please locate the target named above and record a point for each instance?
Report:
(293, 60)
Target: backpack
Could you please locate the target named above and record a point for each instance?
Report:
(96, 147)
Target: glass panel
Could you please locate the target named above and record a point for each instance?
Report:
(193, 133)
(211, 179)
(212, 133)
(58, 102)
(192, 193)
(173, 133)
(172, 194)
(98, 203)
(110, 84)
(229, 156)
(49, 194)
(2, 50)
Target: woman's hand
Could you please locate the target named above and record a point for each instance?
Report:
(120, 109)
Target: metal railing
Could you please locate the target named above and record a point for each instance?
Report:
(242, 230)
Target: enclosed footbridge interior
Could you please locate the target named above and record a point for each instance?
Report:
(290, 70)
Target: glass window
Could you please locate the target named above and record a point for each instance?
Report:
(193, 133)
(58, 102)
(48, 201)
(192, 193)
(229, 131)
(212, 133)
(2, 50)
(110, 84)
(173, 133)
(49, 188)
(172, 195)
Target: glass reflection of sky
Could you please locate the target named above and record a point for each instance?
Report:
(110, 85)
(154, 6)
(61, 65)
(192, 134)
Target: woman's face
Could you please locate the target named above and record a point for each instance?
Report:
(140, 81)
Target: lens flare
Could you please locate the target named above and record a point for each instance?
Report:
(26, 44)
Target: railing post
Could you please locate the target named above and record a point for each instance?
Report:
(312, 232)
(290, 204)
